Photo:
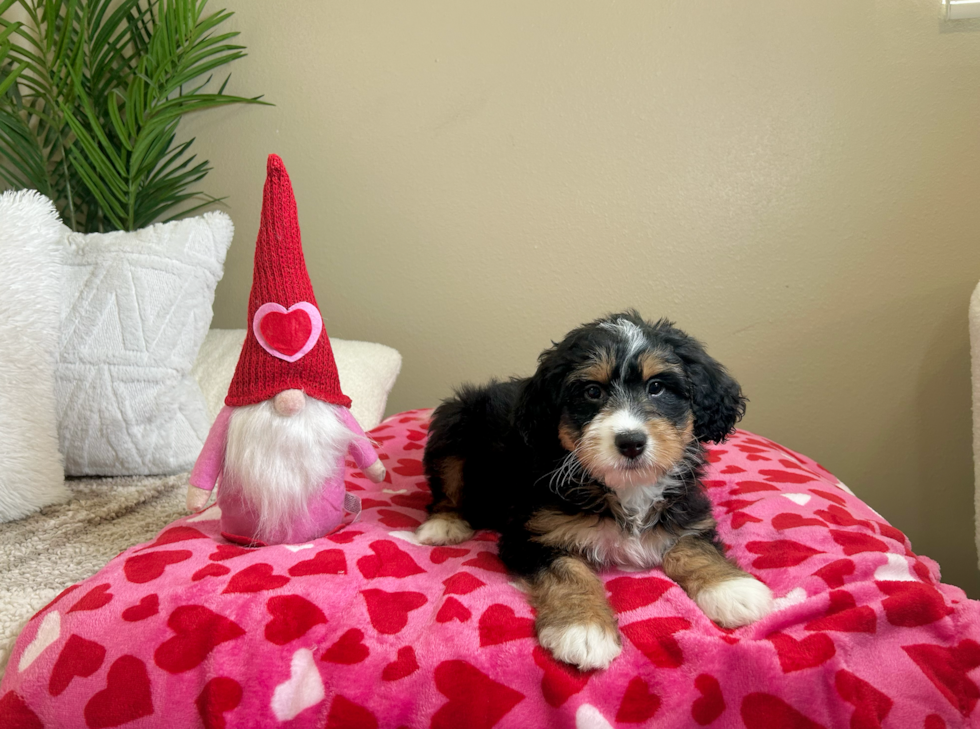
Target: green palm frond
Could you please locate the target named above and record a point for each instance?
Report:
(91, 94)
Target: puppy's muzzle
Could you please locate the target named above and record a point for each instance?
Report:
(631, 443)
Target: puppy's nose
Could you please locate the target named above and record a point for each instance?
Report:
(289, 402)
(631, 443)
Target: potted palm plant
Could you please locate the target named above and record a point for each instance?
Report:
(91, 95)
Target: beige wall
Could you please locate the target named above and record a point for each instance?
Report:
(798, 184)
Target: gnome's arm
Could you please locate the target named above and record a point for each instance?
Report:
(210, 463)
(361, 449)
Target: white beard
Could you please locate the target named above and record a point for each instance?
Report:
(279, 462)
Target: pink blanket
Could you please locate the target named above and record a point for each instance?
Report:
(366, 628)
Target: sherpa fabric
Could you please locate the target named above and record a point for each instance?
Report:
(31, 243)
(287, 346)
(135, 311)
(367, 371)
(367, 628)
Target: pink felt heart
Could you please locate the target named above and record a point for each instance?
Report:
(287, 333)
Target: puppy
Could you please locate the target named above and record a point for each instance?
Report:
(594, 461)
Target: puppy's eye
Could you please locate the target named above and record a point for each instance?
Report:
(593, 392)
(654, 387)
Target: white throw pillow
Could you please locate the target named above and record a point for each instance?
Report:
(31, 242)
(367, 372)
(135, 310)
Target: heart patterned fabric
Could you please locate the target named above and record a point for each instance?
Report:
(368, 628)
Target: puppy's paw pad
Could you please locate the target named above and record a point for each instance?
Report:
(586, 646)
(736, 602)
(436, 532)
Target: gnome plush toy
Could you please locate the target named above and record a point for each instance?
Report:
(280, 443)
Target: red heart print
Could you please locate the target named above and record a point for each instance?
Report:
(406, 665)
(835, 572)
(210, 570)
(736, 504)
(125, 698)
(292, 618)
(348, 649)
(93, 599)
(836, 498)
(947, 668)
(388, 560)
(560, 680)
(870, 705)
(415, 500)
(792, 520)
(732, 469)
(741, 518)
(911, 604)
(765, 711)
(843, 615)
(17, 713)
(145, 608)
(344, 537)
(228, 551)
(150, 565)
(756, 457)
(409, 467)
(326, 562)
(462, 583)
(777, 476)
(499, 624)
(855, 542)
(934, 721)
(175, 534)
(453, 609)
(367, 503)
(714, 454)
(711, 704)
(630, 593)
(389, 610)
(751, 487)
(397, 520)
(79, 657)
(255, 578)
(414, 447)
(887, 530)
(713, 483)
(486, 561)
(639, 704)
(475, 700)
(654, 638)
(841, 517)
(198, 631)
(219, 695)
(779, 553)
(438, 555)
(345, 714)
(796, 655)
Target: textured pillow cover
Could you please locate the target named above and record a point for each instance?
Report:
(31, 242)
(135, 311)
(366, 628)
(367, 372)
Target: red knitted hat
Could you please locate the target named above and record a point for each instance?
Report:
(286, 346)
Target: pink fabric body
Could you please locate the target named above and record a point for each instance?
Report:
(366, 628)
(324, 512)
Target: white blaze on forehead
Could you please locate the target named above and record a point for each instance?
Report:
(631, 334)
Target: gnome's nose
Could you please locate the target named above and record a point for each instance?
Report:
(289, 402)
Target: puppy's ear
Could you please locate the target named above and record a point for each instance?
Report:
(716, 398)
(538, 404)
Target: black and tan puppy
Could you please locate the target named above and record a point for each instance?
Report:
(595, 460)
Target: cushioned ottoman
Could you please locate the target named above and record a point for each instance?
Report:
(366, 628)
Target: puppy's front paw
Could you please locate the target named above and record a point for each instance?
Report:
(440, 529)
(736, 602)
(586, 646)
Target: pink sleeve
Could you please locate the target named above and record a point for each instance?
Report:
(360, 449)
(212, 459)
